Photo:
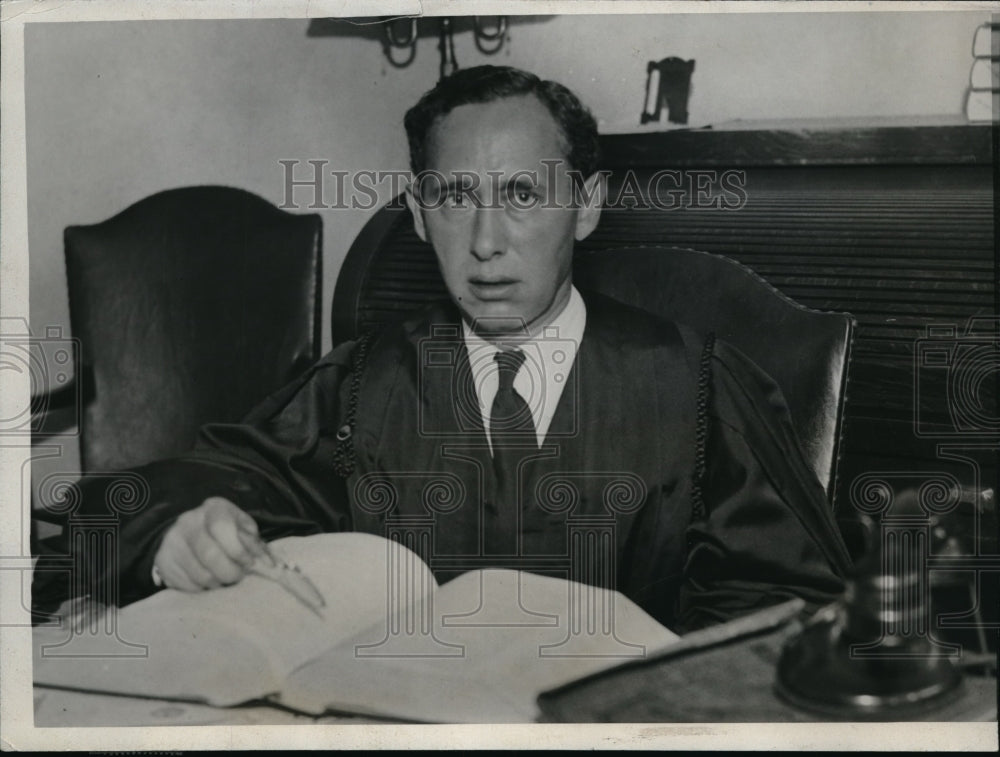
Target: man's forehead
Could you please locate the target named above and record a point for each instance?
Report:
(506, 134)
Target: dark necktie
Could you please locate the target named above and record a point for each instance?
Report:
(512, 432)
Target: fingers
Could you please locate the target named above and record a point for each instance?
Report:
(197, 571)
(250, 538)
(213, 545)
(172, 574)
(243, 520)
(212, 559)
(178, 567)
(233, 532)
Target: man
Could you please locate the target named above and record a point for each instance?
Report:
(516, 412)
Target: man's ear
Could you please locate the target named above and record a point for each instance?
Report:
(417, 212)
(592, 200)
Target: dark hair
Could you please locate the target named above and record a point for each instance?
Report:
(483, 84)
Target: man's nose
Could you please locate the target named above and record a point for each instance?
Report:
(488, 237)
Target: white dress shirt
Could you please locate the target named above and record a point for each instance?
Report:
(549, 357)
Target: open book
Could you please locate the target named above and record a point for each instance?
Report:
(389, 642)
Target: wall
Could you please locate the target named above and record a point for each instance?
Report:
(116, 111)
(761, 66)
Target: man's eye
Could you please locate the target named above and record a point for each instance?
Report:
(457, 200)
(524, 198)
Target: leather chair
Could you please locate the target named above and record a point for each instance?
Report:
(807, 352)
(189, 306)
(389, 272)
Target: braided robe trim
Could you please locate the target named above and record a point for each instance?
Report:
(701, 427)
(344, 454)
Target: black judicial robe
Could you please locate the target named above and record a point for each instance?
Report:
(670, 466)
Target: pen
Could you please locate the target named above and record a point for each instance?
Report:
(290, 577)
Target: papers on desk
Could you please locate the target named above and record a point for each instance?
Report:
(390, 641)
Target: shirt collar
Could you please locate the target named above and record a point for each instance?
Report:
(549, 358)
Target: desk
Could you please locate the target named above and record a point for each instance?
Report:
(732, 683)
(62, 708)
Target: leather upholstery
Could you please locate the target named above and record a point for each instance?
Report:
(805, 351)
(191, 306)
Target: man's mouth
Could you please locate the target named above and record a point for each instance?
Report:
(491, 287)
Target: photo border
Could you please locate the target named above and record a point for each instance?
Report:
(16, 709)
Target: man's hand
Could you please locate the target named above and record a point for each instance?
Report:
(213, 545)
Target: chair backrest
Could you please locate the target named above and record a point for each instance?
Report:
(805, 351)
(389, 272)
(191, 306)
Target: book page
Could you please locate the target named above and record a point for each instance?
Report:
(235, 643)
(497, 640)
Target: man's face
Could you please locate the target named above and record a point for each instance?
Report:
(504, 223)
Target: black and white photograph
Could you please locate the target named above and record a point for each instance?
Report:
(499, 375)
